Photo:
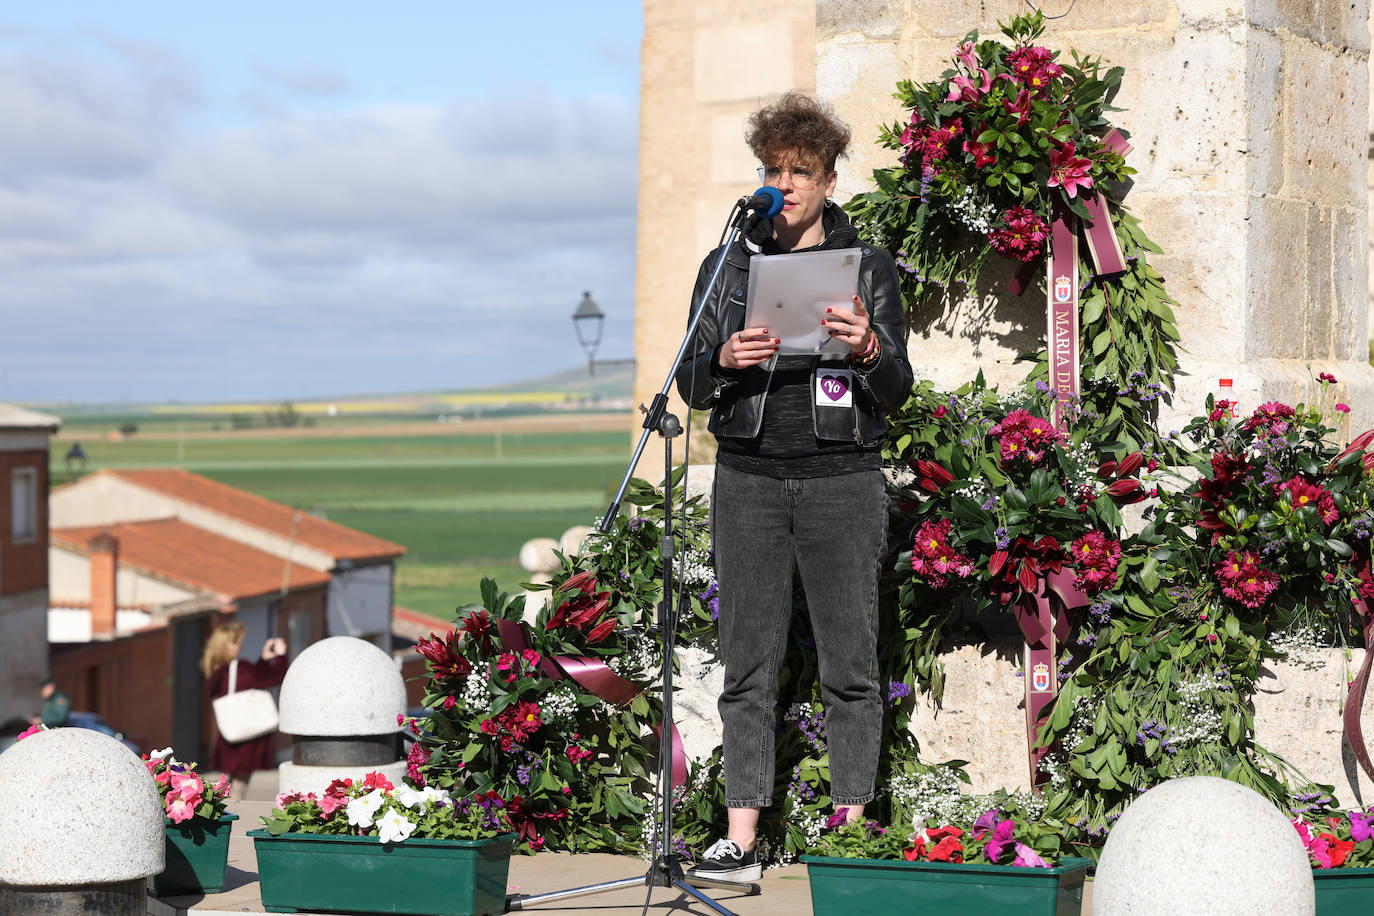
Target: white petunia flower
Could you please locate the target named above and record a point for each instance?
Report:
(393, 828)
(158, 755)
(362, 811)
(410, 796)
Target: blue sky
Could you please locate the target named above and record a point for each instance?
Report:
(290, 200)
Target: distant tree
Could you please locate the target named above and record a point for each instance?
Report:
(128, 427)
(241, 421)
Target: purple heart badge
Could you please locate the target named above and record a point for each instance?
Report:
(834, 386)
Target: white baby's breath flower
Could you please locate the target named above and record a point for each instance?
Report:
(393, 828)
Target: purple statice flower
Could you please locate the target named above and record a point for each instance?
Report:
(987, 506)
(800, 788)
(1088, 639)
(812, 728)
(637, 522)
(895, 691)
(1003, 538)
(1101, 612)
(1150, 729)
(1042, 386)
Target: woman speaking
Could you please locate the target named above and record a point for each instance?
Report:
(798, 480)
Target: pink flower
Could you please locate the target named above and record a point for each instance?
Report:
(969, 89)
(449, 703)
(1020, 106)
(222, 786)
(983, 155)
(1244, 580)
(1361, 826)
(29, 732)
(1069, 171)
(932, 557)
(1034, 67)
(187, 786)
(1028, 858)
(1001, 838)
(331, 803)
(179, 809)
(1095, 557)
(965, 53)
(1343, 408)
(1327, 378)
(1022, 235)
(1271, 416)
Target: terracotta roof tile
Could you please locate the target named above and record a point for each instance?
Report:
(331, 538)
(182, 553)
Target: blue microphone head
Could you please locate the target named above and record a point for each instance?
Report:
(775, 196)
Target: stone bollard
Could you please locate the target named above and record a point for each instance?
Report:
(339, 703)
(1203, 846)
(80, 826)
(570, 543)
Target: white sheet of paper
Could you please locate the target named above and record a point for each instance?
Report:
(788, 295)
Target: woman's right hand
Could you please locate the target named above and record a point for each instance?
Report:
(273, 648)
(747, 348)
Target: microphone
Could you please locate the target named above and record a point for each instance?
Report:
(766, 202)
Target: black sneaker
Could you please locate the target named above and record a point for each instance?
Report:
(726, 861)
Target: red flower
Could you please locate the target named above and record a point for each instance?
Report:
(601, 631)
(1308, 495)
(933, 475)
(1221, 410)
(1022, 235)
(1244, 580)
(947, 847)
(1016, 569)
(375, 780)
(1095, 557)
(442, 655)
(477, 626)
(1020, 106)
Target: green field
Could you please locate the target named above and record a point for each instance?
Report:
(461, 503)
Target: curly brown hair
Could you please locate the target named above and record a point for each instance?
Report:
(797, 125)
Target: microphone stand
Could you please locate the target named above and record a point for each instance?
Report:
(665, 870)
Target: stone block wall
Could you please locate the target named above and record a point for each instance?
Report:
(705, 67)
(1249, 124)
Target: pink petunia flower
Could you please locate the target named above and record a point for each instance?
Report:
(180, 809)
(1028, 858)
(1343, 408)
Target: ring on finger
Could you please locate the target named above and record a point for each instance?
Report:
(741, 337)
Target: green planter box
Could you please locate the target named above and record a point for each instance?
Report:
(881, 887)
(357, 874)
(1344, 891)
(197, 857)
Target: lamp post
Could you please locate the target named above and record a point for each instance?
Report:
(588, 320)
(75, 459)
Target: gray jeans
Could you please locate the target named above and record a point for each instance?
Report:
(834, 530)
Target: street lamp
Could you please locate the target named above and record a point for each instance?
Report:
(588, 320)
(75, 460)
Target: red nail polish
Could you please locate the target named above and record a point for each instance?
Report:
(828, 309)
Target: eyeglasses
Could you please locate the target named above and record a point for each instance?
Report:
(803, 179)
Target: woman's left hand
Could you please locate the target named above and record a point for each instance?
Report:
(851, 327)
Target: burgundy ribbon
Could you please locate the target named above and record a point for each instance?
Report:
(1044, 621)
(596, 677)
(1354, 700)
(1061, 284)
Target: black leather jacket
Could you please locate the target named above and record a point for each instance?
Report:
(735, 397)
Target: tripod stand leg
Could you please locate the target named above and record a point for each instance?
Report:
(528, 900)
(698, 895)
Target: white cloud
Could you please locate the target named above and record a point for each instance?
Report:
(300, 253)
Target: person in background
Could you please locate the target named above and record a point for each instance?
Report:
(56, 707)
(798, 482)
(238, 761)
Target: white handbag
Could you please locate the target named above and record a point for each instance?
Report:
(243, 715)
